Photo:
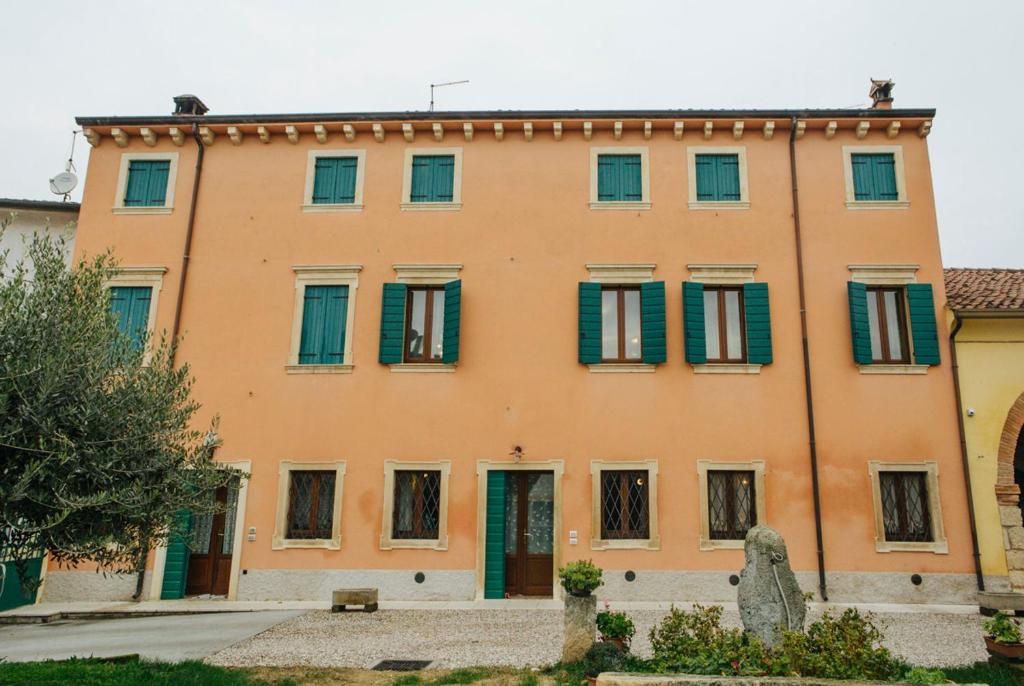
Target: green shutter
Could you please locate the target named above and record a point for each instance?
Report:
(694, 341)
(619, 178)
(392, 323)
(757, 316)
(452, 321)
(652, 322)
(130, 305)
(433, 178)
(176, 564)
(158, 173)
(922, 323)
(874, 176)
(334, 180)
(494, 549)
(147, 183)
(324, 314)
(11, 595)
(718, 177)
(589, 323)
(860, 331)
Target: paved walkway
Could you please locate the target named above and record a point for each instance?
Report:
(170, 638)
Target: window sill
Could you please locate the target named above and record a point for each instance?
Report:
(428, 206)
(143, 210)
(904, 369)
(397, 544)
(936, 547)
(333, 207)
(617, 205)
(721, 544)
(622, 368)
(877, 204)
(318, 368)
(316, 543)
(426, 367)
(626, 544)
(726, 368)
(719, 205)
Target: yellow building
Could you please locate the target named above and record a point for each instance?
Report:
(986, 307)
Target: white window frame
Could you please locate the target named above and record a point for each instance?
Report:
(357, 204)
(621, 274)
(741, 162)
(901, 203)
(323, 275)
(142, 277)
(439, 543)
(705, 466)
(938, 545)
(122, 182)
(890, 275)
(724, 275)
(284, 482)
(456, 202)
(653, 542)
(645, 179)
(415, 274)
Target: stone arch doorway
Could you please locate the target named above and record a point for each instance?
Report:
(1009, 483)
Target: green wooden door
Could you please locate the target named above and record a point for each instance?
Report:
(176, 564)
(11, 594)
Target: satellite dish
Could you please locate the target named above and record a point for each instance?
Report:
(63, 183)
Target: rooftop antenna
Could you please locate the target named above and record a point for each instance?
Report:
(65, 182)
(438, 85)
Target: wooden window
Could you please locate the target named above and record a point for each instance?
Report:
(311, 505)
(324, 317)
(424, 324)
(874, 176)
(130, 305)
(619, 178)
(147, 183)
(718, 178)
(906, 514)
(334, 180)
(620, 324)
(887, 325)
(625, 504)
(732, 504)
(433, 178)
(724, 324)
(417, 504)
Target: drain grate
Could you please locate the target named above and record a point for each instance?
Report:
(401, 665)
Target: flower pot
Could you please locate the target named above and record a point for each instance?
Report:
(1009, 651)
(619, 642)
(575, 592)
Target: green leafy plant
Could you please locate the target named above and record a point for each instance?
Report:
(615, 625)
(844, 647)
(1003, 629)
(920, 675)
(580, 578)
(603, 657)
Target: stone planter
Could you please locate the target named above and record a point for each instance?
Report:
(580, 626)
(619, 642)
(1007, 651)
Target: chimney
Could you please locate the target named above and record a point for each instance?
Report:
(881, 94)
(189, 106)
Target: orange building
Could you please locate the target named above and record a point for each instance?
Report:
(456, 350)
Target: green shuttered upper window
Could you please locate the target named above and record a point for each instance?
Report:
(130, 305)
(334, 181)
(147, 183)
(619, 178)
(324, 315)
(874, 176)
(433, 178)
(727, 324)
(718, 178)
(622, 324)
(420, 324)
(891, 324)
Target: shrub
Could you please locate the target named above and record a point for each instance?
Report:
(1003, 628)
(580, 578)
(844, 647)
(615, 625)
(603, 657)
(920, 675)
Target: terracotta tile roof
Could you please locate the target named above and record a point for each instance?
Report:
(985, 289)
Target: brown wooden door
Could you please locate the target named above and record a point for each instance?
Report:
(209, 566)
(529, 533)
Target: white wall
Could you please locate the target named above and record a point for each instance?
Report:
(17, 237)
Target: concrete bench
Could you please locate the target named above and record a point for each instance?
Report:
(989, 603)
(342, 598)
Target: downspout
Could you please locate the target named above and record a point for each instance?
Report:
(957, 325)
(812, 441)
(140, 579)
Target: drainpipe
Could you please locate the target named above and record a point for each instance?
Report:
(815, 489)
(957, 324)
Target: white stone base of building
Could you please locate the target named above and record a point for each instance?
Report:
(75, 586)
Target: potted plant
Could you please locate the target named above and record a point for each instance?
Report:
(580, 578)
(615, 627)
(1003, 639)
(602, 657)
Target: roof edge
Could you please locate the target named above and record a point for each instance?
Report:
(50, 205)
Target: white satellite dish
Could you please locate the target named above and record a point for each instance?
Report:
(63, 183)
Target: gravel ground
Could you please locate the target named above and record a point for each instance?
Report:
(520, 638)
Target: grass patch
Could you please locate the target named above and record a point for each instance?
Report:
(984, 673)
(128, 673)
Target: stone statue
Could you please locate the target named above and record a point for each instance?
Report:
(769, 598)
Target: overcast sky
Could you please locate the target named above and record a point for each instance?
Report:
(61, 59)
